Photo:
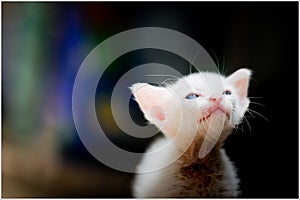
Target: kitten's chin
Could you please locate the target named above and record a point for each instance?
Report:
(218, 113)
(221, 113)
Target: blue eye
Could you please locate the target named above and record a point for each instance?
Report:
(192, 96)
(227, 92)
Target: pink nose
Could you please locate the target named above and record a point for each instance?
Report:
(215, 99)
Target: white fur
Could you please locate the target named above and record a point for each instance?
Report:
(165, 182)
(178, 118)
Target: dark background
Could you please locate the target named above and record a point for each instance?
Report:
(45, 43)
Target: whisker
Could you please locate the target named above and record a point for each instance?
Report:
(235, 130)
(165, 82)
(250, 110)
(253, 102)
(168, 80)
(255, 97)
(248, 124)
(224, 68)
(242, 128)
(192, 61)
(239, 126)
(238, 129)
(217, 61)
(162, 75)
(250, 113)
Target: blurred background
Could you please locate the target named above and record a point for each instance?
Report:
(43, 45)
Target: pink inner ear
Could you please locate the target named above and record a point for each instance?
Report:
(242, 86)
(157, 112)
(151, 100)
(240, 80)
(161, 117)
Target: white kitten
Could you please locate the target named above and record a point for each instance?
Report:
(196, 114)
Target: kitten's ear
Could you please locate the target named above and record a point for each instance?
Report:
(152, 101)
(240, 80)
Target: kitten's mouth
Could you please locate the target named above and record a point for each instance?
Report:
(220, 110)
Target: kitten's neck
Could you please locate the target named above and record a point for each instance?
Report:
(191, 155)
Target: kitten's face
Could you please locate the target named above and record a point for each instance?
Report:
(191, 104)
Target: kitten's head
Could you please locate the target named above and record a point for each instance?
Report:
(189, 106)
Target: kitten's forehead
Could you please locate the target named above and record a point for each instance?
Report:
(202, 81)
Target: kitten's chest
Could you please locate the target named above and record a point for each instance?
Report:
(201, 178)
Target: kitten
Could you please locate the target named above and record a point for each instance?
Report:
(196, 115)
